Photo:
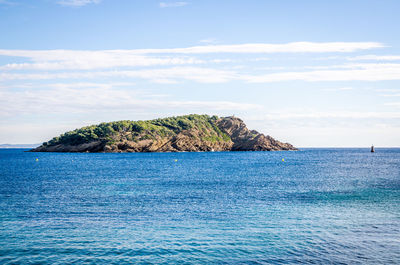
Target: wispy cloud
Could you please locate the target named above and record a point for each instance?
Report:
(78, 3)
(391, 95)
(181, 64)
(393, 104)
(8, 3)
(359, 72)
(162, 75)
(339, 89)
(292, 47)
(94, 99)
(375, 58)
(70, 60)
(87, 60)
(172, 4)
(314, 114)
(363, 72)
(209, 41)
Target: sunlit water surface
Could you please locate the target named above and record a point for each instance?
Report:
(318, 206)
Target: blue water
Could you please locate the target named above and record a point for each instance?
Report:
(337, 206)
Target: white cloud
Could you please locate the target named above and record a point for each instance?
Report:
(117, 63)
(221, 61)
(209, 41)
(295, 119)
(381, 135)
(375, 58)
(365, 72)
(51, 60)
(346, 66)
(319, 127)
(391, 95)
(326, 58)
(314, 114)
(172, 4)
(102, 78)
(76, 98)
(260, 59)
(359, 72)
(78, 3)
(292, 47)
(102, 85)
(5, 2)
(393, 104)
(339, 89)
(387, 89)
(163, 75)
(87, 60)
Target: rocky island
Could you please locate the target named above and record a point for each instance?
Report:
(191, 133)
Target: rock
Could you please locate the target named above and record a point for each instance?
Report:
(246, 140)
(190, 133)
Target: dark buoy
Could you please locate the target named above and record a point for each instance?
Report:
(372, 149)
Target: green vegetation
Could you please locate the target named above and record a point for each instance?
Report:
(112, 132)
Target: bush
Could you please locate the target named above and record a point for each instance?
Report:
(135, 130)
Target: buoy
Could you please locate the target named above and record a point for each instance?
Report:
(283, 160)
(37, 159)
(176, 160)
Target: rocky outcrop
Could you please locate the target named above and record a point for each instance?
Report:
(91, 147)
(249, 140)
(202, 134)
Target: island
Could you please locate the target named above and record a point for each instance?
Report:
(188, 133)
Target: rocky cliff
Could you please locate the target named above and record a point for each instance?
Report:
(190, 133)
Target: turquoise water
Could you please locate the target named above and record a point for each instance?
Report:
(338, 206)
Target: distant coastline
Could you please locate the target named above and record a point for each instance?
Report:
(14, 146)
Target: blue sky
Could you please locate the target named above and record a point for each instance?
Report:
(312, 73)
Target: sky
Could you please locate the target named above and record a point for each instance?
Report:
(311, 73)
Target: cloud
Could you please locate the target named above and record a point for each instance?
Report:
(52, 60)
(80, 85)
(162, 75)
(315, 114)
(172, 4)
(94, 99)
(312, 127)
(315, 118)
(393, 104)
(78, 3)
(391, 95)
(97, 84)
(8, 3)
(292, 47)
(375, 58)
(359, 72)
(339, 89)
(179, 64)
(209, 41)
(80, 60)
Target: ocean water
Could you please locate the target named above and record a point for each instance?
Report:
(329, 206)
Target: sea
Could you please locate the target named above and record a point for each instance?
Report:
(313, 206)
